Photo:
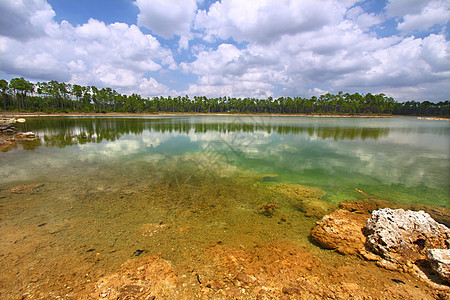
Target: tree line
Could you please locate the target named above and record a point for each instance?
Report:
(20, 94)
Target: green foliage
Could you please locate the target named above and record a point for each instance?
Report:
(54, 96)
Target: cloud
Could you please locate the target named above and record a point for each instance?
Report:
(151, 87)
(411, 62)
(230, 71)
(22, 19)
(90, 54)
(293, 62)
(400, 8)
(338, 53)
(265, 21)
(252, 48)
(289, 46)
(168, 18)
(363, 19)
(435, 12)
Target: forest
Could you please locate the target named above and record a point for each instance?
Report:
(20, 94)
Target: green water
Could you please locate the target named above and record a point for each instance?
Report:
(396, 159)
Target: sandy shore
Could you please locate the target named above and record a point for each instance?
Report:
(116, 114)
(125, 114)
(434, 118)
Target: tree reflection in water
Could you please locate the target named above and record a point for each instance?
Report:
(61, 132)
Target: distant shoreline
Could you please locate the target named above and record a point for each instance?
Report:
(167, 114)
(116, 114)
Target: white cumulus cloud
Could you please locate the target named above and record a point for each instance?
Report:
(289, 47)
(436, 12)
(115, 55)
(265, 21)
(168, 18)
(24, 19)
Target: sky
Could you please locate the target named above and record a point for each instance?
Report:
(235, 48)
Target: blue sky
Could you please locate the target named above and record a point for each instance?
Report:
(252, 48)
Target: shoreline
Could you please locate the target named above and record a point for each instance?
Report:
(6, 114)
(94, 114)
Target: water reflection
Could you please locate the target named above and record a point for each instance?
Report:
(62, 132)
(393, 158)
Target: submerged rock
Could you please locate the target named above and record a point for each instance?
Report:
(267, 177)
(404, 236)
(365, 206)
(28, 189)
(298, 192)
(7, 144)
(268, 209)
(315, 208)
(151, 229)
(306, 199)
(440, 262)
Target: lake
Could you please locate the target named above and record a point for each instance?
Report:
(94, 192)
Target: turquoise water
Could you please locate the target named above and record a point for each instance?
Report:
(396, 159)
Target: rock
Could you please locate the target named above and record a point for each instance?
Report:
(267, 177)
(138, 279)
(341, 231)
(306, 199)
(7, 127)
(440, 214)
(365, 206)
(440, 262)
(291, 290)
(26, 135)
(244, 278)
(5, 120)
(233, 293)
(268, 209)
(28, 189)
(404, 236)
(298, 192)
(388, 265)
(315, 208)
(7, 144)
(350, 287)
(151, 229)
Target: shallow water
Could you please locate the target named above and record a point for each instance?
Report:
(111, 189)
(397, 159)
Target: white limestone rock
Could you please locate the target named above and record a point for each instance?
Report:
(440, 262)
(404, 236)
